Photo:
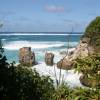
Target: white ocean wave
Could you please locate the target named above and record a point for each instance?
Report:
(16, 45)
(3, 39)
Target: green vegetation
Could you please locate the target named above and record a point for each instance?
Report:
(90, 67)
(65, 93)
(93, 32)
(94, 27)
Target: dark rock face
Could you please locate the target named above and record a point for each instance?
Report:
(49, 59)
(26, 56)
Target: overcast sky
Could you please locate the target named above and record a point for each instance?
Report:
(47, 15)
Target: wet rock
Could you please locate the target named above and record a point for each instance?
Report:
(49, 59)
(26, 56)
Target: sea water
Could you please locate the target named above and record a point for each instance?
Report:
(41, 43)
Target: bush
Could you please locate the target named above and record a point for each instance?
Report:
(63, 92)
(93, 32)
(26, 84)
(90, 67)
(93, 27)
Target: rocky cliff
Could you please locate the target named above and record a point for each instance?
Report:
(88, 45)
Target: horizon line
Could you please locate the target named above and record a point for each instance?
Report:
(40, 34)
(36, 32)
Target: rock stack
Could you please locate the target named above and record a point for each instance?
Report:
(49, 59)
(26, 56)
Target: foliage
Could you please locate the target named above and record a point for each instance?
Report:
(84, 94)
(26, 84)
(90, 67)
(94, 27)
(93, 32)
(63, 92)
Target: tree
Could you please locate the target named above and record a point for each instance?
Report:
(93, 27)
(93, 32)
(3, 72)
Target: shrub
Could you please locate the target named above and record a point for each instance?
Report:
(93, 32)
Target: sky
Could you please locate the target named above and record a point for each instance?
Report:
(47, 15)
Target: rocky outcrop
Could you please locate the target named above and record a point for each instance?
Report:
(82, 50)
(65, 64)
(49, 59)
(26, 56)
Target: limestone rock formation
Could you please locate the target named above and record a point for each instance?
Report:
(82, 50)
(49, 59)
(26, 56)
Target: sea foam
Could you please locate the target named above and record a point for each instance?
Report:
(69, 77)
(16, 45)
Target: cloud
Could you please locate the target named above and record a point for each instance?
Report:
(53, 8)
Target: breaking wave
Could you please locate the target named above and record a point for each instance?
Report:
(40, 34)
(16, 45)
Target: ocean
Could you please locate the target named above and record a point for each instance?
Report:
(40, 43)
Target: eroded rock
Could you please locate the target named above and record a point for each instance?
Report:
(26, 56)
(49, 59)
